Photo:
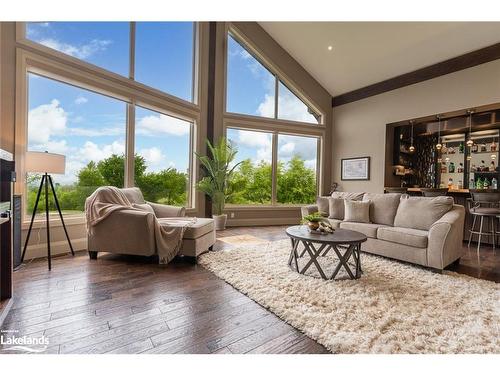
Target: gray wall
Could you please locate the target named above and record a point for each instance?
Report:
(359, 127)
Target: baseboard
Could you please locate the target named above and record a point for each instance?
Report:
(5, 307)
(56, 248)
(262, 222)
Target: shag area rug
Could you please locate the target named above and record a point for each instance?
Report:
(392, 308)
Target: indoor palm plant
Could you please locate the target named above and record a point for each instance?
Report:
(216, 183)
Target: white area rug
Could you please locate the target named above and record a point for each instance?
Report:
(392, 308)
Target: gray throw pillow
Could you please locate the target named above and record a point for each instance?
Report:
(383, 207)
(336, 208)
(322, 203)
(348, 195)
(420, 212)
(357, 211)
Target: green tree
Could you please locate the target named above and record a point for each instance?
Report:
(167, 186)
(297, 183)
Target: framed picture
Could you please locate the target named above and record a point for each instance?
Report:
(355, 169)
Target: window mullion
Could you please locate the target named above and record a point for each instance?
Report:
(130, 145)
(131, 72)
(276, 93)
(274, 173)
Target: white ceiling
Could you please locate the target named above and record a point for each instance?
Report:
(369, 52)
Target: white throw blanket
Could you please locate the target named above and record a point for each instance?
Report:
(168, 231)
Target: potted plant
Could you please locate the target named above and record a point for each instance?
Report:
(217, 181)
(317, 223)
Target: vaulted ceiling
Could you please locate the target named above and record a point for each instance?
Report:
(363, 53)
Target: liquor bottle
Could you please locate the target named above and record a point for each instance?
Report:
(473, 168)
(460, 185)
(451, 168)
(492, 166)
(460, 168)
(474, 147)
(472, 184)
(494, 183)
(461, 148)
(483, 166)
(450, 183)
(486, 183)
(479, 183)
(483, 147)
(493, 147)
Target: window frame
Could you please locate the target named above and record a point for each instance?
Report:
(23, 41)
(278, 77)
(32, 57)
(238, 124)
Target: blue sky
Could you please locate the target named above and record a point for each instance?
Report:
(88, 126)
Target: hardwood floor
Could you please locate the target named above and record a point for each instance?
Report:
(125, 304)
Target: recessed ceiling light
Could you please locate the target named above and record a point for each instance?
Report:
(330, 48)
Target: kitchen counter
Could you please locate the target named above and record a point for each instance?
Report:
(453, 191)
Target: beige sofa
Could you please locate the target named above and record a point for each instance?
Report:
(424, 231)
(131, 231)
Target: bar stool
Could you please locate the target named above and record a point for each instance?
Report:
(484, 204)
(432, 192)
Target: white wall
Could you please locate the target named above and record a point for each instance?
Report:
(359, 127)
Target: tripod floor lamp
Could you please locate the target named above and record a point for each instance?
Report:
(46, 163)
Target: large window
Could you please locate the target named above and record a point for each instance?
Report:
(296, 170)
(252, 89)
(164, 51)
(252, 179)
(162, 157)
(164, 57)
(295, 176)
(105, 44)
(88, 128)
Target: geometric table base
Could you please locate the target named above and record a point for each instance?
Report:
(313, 255)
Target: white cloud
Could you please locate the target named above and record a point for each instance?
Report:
(287, 148)
(82, 51)
(81, 100)
(57, 147)
(261, 141)
(266, 108)
(292, 108)
(154, 156)
(46, 120)
(162, 124)
(96, 132)
(91, 151)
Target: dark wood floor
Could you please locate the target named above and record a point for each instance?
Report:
(121, 304)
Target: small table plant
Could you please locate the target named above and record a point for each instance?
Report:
(317, 223)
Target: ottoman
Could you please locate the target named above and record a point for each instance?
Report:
(198, 238)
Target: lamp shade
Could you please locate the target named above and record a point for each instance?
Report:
(45, 162)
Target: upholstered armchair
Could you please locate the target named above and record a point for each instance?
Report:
(132, 231)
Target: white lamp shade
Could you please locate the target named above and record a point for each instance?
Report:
(45, 162)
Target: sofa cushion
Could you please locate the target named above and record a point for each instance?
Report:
(134, 195)
(420, 212)
(322, 203)
(348, 195)
(335, 222)
(404, 236)
(368, 229)
(336, 208)
(356, 211)
(198, 229)
(383, 207)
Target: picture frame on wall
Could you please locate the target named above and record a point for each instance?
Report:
(355, 169)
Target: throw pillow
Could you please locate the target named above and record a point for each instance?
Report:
(348, 195)
(383, 207)
(420, 212)
(357, 211)
(322, 203)
(336, 208)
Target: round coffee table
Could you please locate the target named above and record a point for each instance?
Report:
(346, 244)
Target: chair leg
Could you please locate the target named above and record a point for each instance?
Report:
(492, 219)
(480, 234)
(472, 229)
(93, 255)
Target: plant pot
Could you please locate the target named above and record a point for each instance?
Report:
(313, 225)
(220, 221)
